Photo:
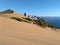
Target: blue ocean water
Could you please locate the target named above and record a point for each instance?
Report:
(55, 21)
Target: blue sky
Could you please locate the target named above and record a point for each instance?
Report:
(33, 7)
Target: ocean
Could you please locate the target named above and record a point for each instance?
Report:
(55, 21)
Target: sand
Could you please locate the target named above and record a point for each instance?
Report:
(9, 15)
(13, 32)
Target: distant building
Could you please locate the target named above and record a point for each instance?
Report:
(32, 17)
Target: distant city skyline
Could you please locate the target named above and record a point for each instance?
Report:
(32, 7)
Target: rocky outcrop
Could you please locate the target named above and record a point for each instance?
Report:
(7, 11)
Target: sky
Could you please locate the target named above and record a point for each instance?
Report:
(32, 7)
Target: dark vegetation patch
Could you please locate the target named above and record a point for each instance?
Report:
(18, 19)
(40, 23)
(28, 19)
(53, 27)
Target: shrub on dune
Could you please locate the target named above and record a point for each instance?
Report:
(18, 19)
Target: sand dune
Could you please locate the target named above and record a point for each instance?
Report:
(13, 32)
(21, 33)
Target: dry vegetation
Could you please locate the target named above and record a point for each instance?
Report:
(40, 22)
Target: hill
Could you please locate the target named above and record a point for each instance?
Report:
(13, 32)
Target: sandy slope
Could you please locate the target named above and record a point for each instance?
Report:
(20, 33)
(9, 15)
